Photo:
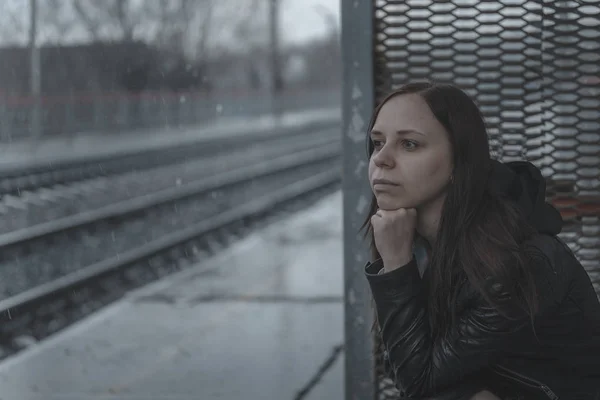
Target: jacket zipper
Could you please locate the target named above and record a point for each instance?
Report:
(525, 380)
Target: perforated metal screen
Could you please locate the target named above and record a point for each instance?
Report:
(534, 69)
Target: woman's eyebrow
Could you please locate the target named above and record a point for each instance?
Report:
(399, 132)
(407, 131)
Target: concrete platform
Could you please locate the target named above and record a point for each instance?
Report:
(256, 322)
(22, 153)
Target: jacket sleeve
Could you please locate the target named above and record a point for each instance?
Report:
(425, 367)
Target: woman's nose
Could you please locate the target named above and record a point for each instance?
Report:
(383, 158)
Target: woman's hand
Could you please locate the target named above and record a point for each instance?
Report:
(485, 395)
(394, 232)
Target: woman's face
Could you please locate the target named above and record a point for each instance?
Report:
(413, 155)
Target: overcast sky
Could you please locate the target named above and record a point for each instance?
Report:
(300, 21)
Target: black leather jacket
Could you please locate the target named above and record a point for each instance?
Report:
(556, 358)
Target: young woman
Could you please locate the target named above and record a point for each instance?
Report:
(499, 307)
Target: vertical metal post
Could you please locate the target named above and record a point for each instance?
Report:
(358, 103)
(277, 82)
(34, 73)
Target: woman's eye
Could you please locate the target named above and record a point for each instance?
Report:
(410, 145)
(377, 144)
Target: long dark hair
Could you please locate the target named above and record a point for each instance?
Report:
(481, 231)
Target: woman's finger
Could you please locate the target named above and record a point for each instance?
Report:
(485, 395)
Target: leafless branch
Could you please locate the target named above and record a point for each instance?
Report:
(55, 20)
(13, 22)
(91, 24)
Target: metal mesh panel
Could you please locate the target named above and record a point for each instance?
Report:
(533, 67)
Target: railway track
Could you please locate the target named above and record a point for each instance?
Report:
(17, 179)
(65, 269)
(60, 201)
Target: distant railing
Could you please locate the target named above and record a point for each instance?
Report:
(115, 112)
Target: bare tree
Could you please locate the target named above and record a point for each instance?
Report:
(115, 16)
(194, 27)
(91, 23)
(205, 29)
(14, 22)
(181, 25)
(250, 25)
(56, 20)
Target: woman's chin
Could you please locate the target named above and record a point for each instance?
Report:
(385, 203)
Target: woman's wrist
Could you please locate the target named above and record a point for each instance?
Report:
(396, 262)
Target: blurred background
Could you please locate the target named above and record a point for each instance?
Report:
(83, 66)
(139, 140)
(182, 182)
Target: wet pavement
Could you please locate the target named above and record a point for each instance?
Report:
(257, 321)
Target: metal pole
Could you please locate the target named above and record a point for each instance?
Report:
(358, 103)
(34, 74)
(277, 82)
